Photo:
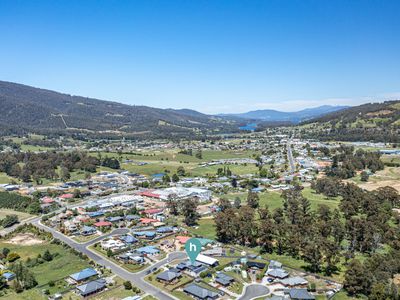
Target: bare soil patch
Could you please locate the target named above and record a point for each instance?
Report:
(25, 239)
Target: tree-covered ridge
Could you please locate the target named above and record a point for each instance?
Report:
(378, 122)
(30, 109)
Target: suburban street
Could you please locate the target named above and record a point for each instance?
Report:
(290, 157)
(135, 278)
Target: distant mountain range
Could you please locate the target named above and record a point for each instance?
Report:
(25, 109)
(292, 117)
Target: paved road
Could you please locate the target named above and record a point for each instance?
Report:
(135, 278)
(254, 291)
(290, 158)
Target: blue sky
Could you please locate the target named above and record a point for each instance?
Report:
(212, 56)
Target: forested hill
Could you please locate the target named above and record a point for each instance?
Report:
(24, 108)
(379, 122)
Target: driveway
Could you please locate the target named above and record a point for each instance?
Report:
(254, 291)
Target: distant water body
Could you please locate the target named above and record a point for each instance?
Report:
(249, 127)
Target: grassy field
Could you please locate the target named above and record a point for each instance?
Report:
(274, 199)
(61, 266)
(170, 160)
(64, 264)
(205, 228)
(21, 215)
(5, 179)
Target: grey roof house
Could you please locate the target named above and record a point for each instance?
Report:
(224, 279)
(200, 292)
(169, 275)
(91, 287)
(299, 294)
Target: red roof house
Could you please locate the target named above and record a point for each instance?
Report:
(152, 211)
(149, 194)
(47, 200)
(147, 220)
(182, 239)
(103, 224)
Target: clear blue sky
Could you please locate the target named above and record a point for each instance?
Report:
(213, 56)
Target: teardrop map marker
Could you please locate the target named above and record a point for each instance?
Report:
(193, 248)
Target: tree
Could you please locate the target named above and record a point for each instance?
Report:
(224, 204)
(357, 278)
(172, 206)
(12, 256)
(127, 285)
(266, 230)
(246, 226)
(175, 178)
(364, 176)
(253, 199)
(226, 224)
(199, 154)
(9, 220)
(47, 256)
(237, 203)
(234, 182)
(109, 253)
(65, 174)
(24, 277)
(5, 251)
(180, 171)
(166, 179)
(189, 211)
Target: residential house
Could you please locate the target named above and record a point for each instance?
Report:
(148, 250)
(83, 275)
(169, 275)
(88, 230)
(207, 260)
(277, 273)
(103, 224)
(199, 292)
(91, 287)
(294, 281)
(224, 279)
(299, 294)
(149, 235)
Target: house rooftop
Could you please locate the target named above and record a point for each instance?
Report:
(300, 294)
(200, 292)
(91, 287)
(84, 274)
